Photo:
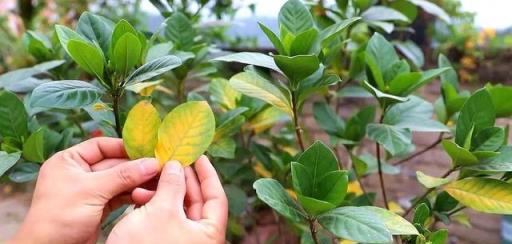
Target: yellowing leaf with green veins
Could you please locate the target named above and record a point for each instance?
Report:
(483, 194)
(186, 132)
(430, 181)
(140, 130)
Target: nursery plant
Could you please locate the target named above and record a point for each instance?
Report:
(169, 95)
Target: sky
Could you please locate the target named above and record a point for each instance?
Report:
(489, 13)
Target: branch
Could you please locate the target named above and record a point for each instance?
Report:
(439, 140)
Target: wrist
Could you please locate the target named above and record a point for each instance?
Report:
(33, 231)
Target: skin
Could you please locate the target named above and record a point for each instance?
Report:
(77, 188)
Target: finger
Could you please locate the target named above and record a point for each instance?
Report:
(107, 164)
(193, 198)
(141, 196)
(170, 192)
(99, 148)
(215, 206)
(124, 177)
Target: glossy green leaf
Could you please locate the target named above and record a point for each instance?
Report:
(13, 117)
(328, 120)
(153, 68)
(180, 31)
(382, 13)
(185, 133)
(394, 140)
(87, 56)
(7, 161)
(355, 224)
(274, 39)
(459, 155)
(449, 76)
(500, 163)
(33, 147)
(22, 75)
(65, 34)
(120, 29)
(394, 222)
(305, 43)
(65, 94)
(414, 114)
(257, 59)
(237, 199)
(488, 139)
(433, 9)
(476, 114)
(500, 96)
(330, 33)
(297, 68)
(482, 194)
(430, 181)
(126, 54)
(96, 28)
(444, 202)
(272, 193)
(140, 131)
(223, 148)
(421, 214)
(384, 99)
(253, 85)
(24, 172)
(410, 50)
(295, 17)
(355, 129)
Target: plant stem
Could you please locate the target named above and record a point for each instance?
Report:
(115, 106)
(456, 211)
(298, 129)
(180, 93)
(381, 177)
(313, 230)
(420, 199)
(439, 140)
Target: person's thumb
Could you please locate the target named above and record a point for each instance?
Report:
(170, 192)
(126, 176)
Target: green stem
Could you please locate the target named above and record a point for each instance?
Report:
(298, 129)
(180, 93)
(115, 107)
(379, 165)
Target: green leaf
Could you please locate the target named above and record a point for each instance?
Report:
(96, 28)
(414, 114)
(159, 50)
(7, 161)
(488, 139)
(500, 96)
(65, 35)
(65, 94)
(314, 206)
(297, 68)
(274, 39)
(433, 9)
(500, 163)
(295, 17)
(253, 85)
(237, 199)
(383, 98)
(180, 31)
(394, 222)
(330, 33)
(460, 156)
(421, 214)
(482, 194)
(328, 120)
(402, 84)
(476, 114)
(24, 172)
(381, 13)
(410, 50)
(430, 181)
(380, 50)
(449, 76)
(444, 202)
(356, 224)
(185, 133)
(426, 77)
(256, 59)
(304, 43)
(22, 75)
(393, 139)
(223, 148)
(439, 237)
(126, 54)
(272, 193)
(120, 29)
(13, 117)
(223, 94)
(33, 148)
(87, 56)
(153, 68)
(356, 125)
(37, 45)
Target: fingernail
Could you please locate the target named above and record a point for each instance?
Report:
(174, 167)
(149, 166)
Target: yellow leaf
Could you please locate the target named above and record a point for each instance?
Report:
(186, 132)
(395, 207)
(354, 187)
(483, 194)
(140, 130)
(266, 119)
(347, 242)
(260, 170)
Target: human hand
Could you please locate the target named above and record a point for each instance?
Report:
(185, 209)
(78, 187)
